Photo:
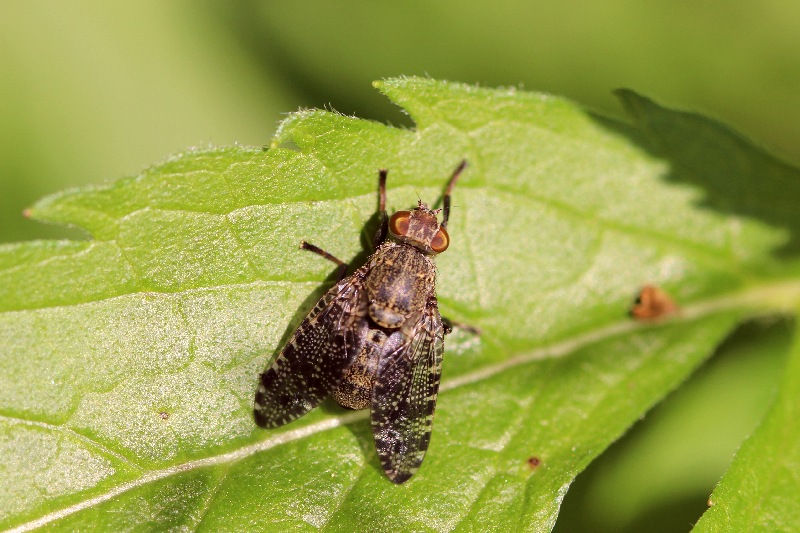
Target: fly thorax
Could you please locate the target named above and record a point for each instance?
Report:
(400, 282)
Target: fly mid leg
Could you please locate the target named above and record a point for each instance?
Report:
(380, 235)
(341, 268)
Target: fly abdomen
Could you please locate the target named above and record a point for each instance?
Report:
(355, 389)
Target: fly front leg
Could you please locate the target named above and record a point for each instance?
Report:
(383, 218)
(449, 189)
(341, 268)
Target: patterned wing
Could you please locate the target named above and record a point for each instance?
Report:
(404, 395)
(314, 360)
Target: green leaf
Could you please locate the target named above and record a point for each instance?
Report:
(759, 491)
(658, 477)
(131, 359)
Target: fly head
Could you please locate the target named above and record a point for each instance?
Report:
(421, 229)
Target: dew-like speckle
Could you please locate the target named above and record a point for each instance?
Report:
(40, 463)
(202, 412)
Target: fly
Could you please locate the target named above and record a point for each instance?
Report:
(374, 340)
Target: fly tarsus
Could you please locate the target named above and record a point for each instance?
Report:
(449, 326)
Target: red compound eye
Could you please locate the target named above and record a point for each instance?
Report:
(440, 241)
(398, 224)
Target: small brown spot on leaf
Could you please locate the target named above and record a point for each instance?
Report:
(652, 303)
(534, 462)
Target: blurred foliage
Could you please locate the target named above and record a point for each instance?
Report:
(93, 91)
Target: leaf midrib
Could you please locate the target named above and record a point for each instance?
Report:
(766, 299)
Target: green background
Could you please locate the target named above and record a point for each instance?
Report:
(93, 91)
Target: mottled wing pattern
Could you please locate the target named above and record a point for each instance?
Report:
(314, 360)
(404, 395)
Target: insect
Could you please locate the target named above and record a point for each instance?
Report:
(374, 340)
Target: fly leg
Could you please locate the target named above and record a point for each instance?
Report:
(449, 325)
(380, 235)
(383, 218)
(450, 184)
(341, 266)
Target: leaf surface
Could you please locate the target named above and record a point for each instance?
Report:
(759, 491)
(131, 359)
